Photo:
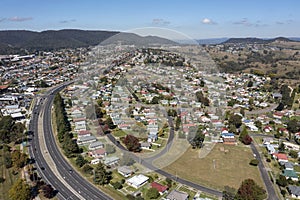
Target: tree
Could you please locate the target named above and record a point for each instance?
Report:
(293, 154)
(250, 84)
(249, 190)
(110, 123)
(254, 162)
(293, 126)
(177, 123)
(48, 191)
(101, 176)
(169, 182)
(280, 107)
(110, 149)
(172, 113)
(152, 193)
(126, 160)
(244, 137)
(200, 98)
(281, 147)
(87, 169)
(155, 100)
(117, 185)
(236, 120)
(228, 193)
(2, 180)
(197, 141)
(80, 161)
(282, 181)
(19, 159)
(132, 143)
(20, 191)
(258, 124)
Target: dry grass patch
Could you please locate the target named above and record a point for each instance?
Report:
(224, 165)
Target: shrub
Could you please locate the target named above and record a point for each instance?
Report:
(254, 162)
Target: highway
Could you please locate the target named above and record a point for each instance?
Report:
(70, 185)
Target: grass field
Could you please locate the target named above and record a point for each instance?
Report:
(219, 168)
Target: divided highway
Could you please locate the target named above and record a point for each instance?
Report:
(68, 183)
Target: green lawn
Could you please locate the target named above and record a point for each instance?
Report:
(119, 133)
(219, 168)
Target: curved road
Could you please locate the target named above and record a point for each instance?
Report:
(80, 187)
(83, 188)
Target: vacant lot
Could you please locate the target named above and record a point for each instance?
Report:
(224, 165)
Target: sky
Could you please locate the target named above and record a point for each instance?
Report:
(197, 19)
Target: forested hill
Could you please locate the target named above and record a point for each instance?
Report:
(18, 41)
(255, 40)
(13, 40)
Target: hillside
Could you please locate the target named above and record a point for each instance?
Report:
(21, 41)
(251, 40)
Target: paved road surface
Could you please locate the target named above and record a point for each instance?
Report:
(79, 186)
(264, 174)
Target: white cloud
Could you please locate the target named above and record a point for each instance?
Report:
(208, 21)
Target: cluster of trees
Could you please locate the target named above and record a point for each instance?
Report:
(196, 139)
(10, 131)
(201, 98)
(248, 190)
(288, 95)
(69, 145)
(132, 143)
(244, 137)
(21, 190)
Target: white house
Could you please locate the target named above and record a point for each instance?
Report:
(137, 181)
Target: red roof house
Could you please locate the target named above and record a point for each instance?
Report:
(161, 188)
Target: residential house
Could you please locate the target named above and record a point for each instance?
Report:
(228, 138)
(98, 153)
(294, 191)
(86, 140)
(84, 133)
(290, 174)
(270, 148)
(95, 161)
(111, 161)
(162, 189)
(267, 129)
(291, 146)
(96, 145)
(178, 195)
(137, 181)
(287, 165)
(80, 126)
(281, 157)
(125, 171)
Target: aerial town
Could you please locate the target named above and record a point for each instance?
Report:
(129, 122)
(150, 100)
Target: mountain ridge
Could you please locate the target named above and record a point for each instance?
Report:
(21, 41)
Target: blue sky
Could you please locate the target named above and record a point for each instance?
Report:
(195, 18)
